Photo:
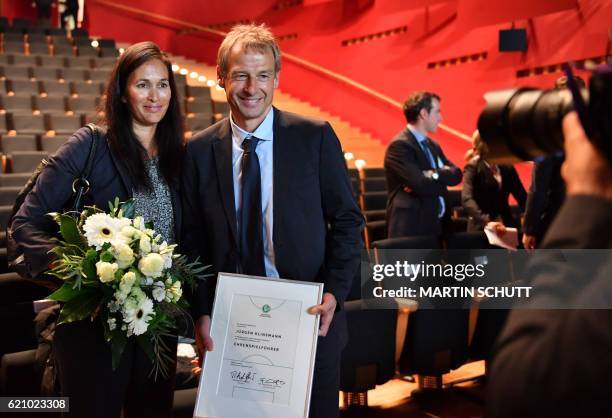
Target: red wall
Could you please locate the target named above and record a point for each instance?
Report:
(394, 65)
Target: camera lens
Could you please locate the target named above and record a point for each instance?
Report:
(521, 124)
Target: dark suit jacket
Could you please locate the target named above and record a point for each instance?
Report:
(316, 226)
(482, 197)
(415, 212)
(33, 229)
(546, 195)
(547, 361)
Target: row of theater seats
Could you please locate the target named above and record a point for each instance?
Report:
(53, 41)
(36, 61)
(435, 341)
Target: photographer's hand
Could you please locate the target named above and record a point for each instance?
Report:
(585, 170)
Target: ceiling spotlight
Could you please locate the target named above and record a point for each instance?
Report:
(193, 74)
(121, 50)
(183, 71)
(348, 156)
(202, 78)
(175, 68)
(210, 83)
(95, 43)
(359, 164)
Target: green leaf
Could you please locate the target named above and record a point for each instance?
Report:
(80, 307)
(106, 256)
(89, 264)
(69, 230)
(129, 209)
(118, 342)
(64, 293)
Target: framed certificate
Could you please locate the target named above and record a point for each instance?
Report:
(265, 344)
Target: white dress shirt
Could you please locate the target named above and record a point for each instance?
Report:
(264, 151)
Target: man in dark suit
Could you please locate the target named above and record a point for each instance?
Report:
(267, 193)
(418, 172)
(546, 195)
(550, 353)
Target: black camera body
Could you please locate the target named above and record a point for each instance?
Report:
(522, 124)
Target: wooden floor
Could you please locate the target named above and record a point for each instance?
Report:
(393, 399)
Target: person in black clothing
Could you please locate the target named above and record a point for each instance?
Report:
(137, 157)
(486, 188)
(72, 10)
(546, 195)
(554, 363)
(418, 173)
(547, 190)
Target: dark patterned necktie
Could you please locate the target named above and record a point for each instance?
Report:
(251, 226)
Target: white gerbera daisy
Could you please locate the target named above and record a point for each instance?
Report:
(137, 314)
(101, 228)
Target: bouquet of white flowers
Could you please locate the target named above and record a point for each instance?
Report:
(116, 268)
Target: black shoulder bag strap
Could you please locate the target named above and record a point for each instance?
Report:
(80, 185)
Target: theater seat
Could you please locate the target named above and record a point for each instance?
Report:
(375, 201)
(369, 356)
(20, 374)
(375, 231)
(436, 339)
(487, 323)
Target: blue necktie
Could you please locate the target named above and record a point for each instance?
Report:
(251, 236)
(434, 165)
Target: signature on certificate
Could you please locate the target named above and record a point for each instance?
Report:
(268, 382)
(242, 377)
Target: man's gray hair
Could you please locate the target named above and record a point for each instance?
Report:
(252, 37)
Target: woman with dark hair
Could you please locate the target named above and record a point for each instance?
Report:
(137, 156)
(486, 188)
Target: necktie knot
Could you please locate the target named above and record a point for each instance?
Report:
(250, 143)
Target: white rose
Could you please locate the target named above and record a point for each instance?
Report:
(123, 255)
(106, 271)
(127, 281)
(151, 265)
(145, 245)
(130, 232)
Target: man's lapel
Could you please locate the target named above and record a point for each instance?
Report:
(225, 174)
(281, 150)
